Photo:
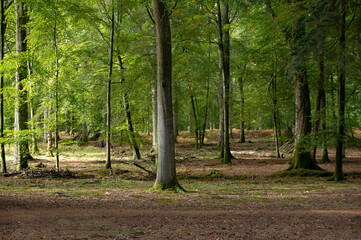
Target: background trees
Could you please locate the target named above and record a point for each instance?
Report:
(275, 59)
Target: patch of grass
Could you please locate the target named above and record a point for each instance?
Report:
(217, 174)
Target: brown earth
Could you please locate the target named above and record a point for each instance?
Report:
(299, 210)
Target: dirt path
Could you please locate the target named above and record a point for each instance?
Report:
(63, 218)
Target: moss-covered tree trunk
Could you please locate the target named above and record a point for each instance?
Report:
(2, 32)
(166, 168)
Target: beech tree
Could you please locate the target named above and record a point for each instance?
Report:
(22, 153)
(166, 168)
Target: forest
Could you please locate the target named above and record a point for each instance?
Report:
(174, 119)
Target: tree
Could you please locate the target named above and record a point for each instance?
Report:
(109, 84)
(166, 168)
(22, 154)
(338, 174)
(224, 49)
(2, 32)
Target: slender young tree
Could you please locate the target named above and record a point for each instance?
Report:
(22, 154)
(56, 126)
(166, 168)
(338, 174)
(2, 32)
(109, 84)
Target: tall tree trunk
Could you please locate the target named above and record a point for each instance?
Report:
(224, 40)
(2, 145)
(132, 140)
(56, 126)
(166, 168)
(338, 174)
(108, 163)
(22, 154)
(242, 137)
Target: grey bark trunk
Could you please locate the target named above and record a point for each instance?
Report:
(166, 168)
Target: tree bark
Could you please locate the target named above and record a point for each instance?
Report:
(274, 110)
(2, 145)
(154, 116)
(21, 152)
(166, 168)
(108, 163)
(224, 40)
(242, 137)
(338, 174)
(196, 130)
(56, 126)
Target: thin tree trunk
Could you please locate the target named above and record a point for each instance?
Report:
(195, 122)
(338, 174)
(21, 152)
(132, 140)
(275, 120)
(154, 116)
(56, 126)
(2, 145)
(203, 132)
(35, 148)
(108, 164)
(166, 168)
(242, 137)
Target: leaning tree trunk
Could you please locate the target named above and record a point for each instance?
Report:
(338, 174)
(132, 140)
(166, 168)
(21, 152)
(108, 163)
(196, 130)
(2, 145)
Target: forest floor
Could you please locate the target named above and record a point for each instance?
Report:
(244, 200)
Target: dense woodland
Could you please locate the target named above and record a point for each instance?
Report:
(118, 71)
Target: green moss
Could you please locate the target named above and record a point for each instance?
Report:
(173, 186)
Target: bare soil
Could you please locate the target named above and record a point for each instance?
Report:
(256, 207)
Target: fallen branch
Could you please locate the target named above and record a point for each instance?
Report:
(137, 165)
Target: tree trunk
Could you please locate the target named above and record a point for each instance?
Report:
(274, 110)
(195, 122)
(224, 42)
(338, 174)
(154, 116)
(2, 145)
(35, 148)
(242, 137)
(108, 163)
(166, 168)
(56, 126)
(203, 132)
(221, 111)
(21, 152)
(302, 156)
(132, 140)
